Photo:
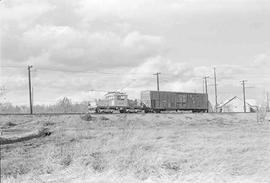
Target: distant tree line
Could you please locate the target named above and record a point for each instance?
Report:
(63, 105)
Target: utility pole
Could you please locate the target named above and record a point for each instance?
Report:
(32, 96)
(203, 86)
(267, 102)
(206, 92)
(244, 94)
(215, 78)
(2, 91)
(157, 74)
(30, 89)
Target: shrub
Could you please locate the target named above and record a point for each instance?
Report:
(104, 118)
(87, 117)
(66, 161)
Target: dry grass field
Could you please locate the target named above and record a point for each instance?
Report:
(200, 148)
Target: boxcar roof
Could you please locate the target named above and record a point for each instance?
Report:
(171, 91)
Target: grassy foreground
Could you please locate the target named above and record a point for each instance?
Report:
(200, 148)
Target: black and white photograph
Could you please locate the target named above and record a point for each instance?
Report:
(134, 91)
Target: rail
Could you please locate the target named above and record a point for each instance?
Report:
(59, 114)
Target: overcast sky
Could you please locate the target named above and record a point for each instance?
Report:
(81, 45)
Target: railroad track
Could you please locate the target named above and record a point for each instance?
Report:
(59, 114)
(41, 114)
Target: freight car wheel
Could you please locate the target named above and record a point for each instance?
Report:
(146, 110)
(122, 111)
(157, 110)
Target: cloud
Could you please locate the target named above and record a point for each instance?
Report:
(67, 46)
(123, 42)
(174, 76)
(22, 14)
(262, 60)
(67, 41)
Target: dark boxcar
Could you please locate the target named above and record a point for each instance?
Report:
(163, 100)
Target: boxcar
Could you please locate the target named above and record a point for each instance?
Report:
(164, 100)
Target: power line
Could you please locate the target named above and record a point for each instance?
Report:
(127, 85)
(113, 73)
(6, 66)
(75, 71)
(109, 73)
(95, 72)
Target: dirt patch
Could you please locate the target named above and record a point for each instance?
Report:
(40, 133)
(8, 125)
(48, 123)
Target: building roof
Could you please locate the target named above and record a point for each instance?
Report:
(228, 101)
(178, 92)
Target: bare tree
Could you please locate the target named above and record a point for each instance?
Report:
(64, 105)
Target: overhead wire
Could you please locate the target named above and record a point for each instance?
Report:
(165, 74)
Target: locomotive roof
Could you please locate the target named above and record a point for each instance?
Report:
(116, 92)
